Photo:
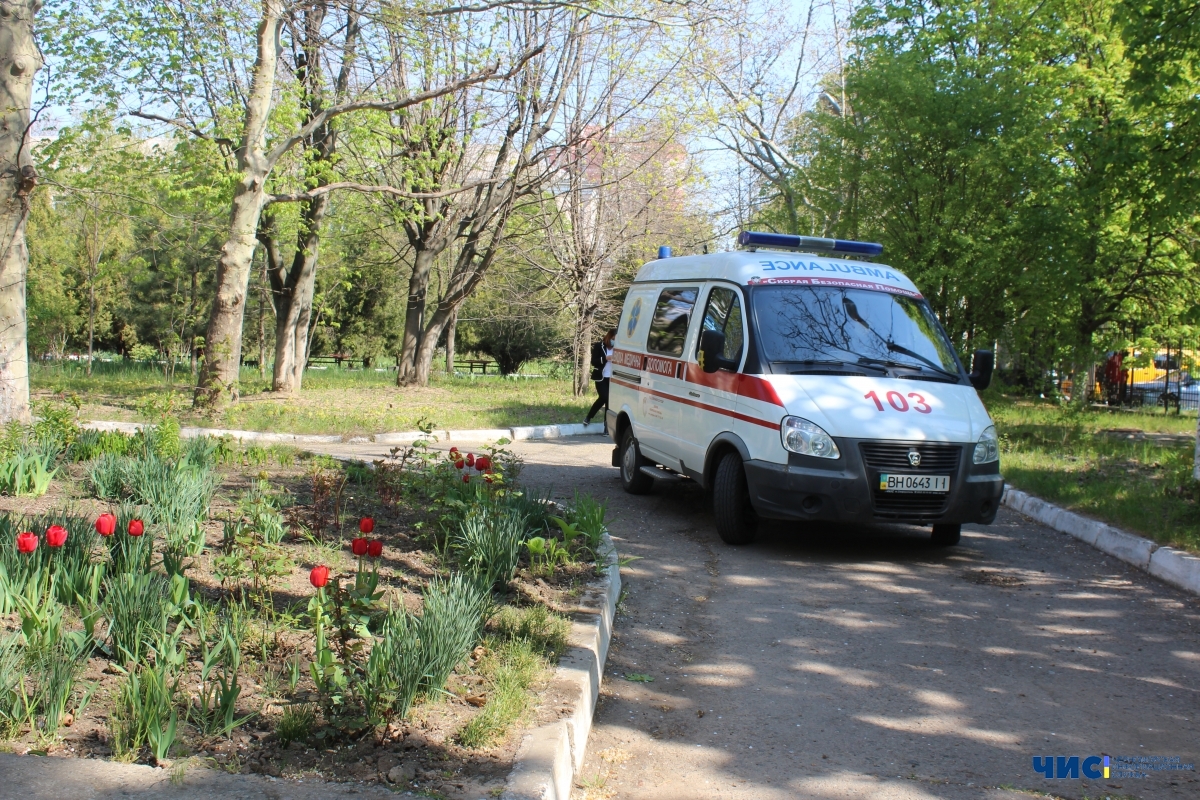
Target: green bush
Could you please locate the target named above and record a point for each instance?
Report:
(587, 515)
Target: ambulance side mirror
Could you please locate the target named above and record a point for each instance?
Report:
(712, 346)
(981, 369)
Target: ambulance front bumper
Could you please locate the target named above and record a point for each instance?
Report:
(847, 489)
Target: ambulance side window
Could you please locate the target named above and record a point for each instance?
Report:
(724, 314)
(672, 314)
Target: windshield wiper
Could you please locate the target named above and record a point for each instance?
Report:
(829, 365)
(888, 362)
(852, 312)
(895, 348)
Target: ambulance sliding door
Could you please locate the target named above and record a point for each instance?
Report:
(713, 395)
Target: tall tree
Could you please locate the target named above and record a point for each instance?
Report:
(189, 62)
(292, 286)
(19, 62)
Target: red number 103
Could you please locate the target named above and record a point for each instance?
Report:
(899, 403)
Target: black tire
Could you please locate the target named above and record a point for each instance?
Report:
(633, 480)
(946, 535)
(736, 521)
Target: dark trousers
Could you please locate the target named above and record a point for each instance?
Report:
(601, 401)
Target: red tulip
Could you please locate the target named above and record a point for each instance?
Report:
(488, 477)
(136, 527)
(319, 576)
(26, 542)
(453, 451)
(366, 524)
(459, 464)
(56, 536)
(470, 459)
(359, 547)
(375, 548)
(483, 463)
(106, 524)
(466, 478)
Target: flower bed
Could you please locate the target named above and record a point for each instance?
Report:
(266, 612)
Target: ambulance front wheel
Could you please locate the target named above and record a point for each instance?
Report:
(633, 480)
(946, 535)
(736, 521)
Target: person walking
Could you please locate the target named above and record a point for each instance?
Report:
(601, 372)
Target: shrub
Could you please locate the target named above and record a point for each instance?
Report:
(57, 424)
(416, 654)
(201, 451)
(452, 618)
(163, 439)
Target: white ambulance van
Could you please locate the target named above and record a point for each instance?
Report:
(797, 383)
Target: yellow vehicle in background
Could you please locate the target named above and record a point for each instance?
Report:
(1164, 361)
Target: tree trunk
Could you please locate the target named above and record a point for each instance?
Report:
(91, 316)
(262, 324)
(19, 61)
(414, 319)
(292, 294)
(451, 330)
(218, 382)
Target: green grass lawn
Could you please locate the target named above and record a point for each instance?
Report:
(333, 401)
(1079, 458)
(1085, 460)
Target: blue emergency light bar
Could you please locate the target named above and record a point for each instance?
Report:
(786, 241)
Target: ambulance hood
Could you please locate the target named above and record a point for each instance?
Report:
(857, 407)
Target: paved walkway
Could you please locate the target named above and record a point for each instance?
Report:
(841, 662)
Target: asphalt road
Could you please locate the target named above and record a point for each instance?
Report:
(833, 661)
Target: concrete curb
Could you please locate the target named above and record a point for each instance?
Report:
(404, 437)
(1176, 567)
(551, 755)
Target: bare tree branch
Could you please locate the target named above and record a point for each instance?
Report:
(184, 126)
(365, 188)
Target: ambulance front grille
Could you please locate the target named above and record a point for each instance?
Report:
(936, 459)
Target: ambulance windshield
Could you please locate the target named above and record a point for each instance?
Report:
(835, 325)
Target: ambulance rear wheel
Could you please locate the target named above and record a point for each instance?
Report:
(633, 480)
(736, 521)
(946, 535)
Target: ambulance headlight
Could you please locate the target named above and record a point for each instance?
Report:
(801, 436)
(987, 449)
